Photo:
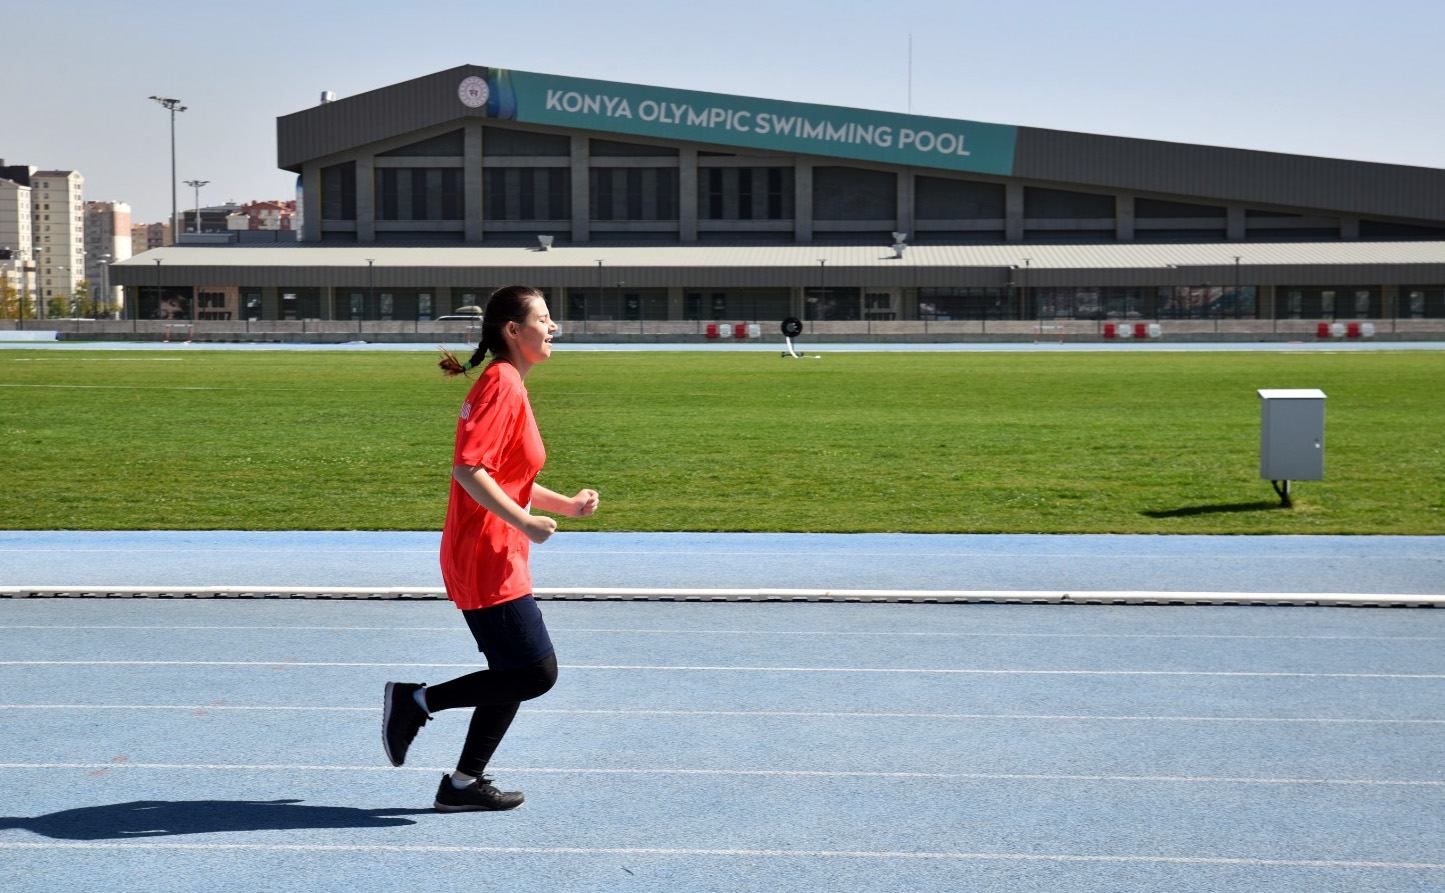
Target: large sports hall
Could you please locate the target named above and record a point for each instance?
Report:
(642, 206)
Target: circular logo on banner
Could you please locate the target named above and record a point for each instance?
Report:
(473, 92)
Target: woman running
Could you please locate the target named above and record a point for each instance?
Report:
(485, 541)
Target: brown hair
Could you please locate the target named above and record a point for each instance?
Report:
(510, 303)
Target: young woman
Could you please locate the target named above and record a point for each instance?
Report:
(485, 541)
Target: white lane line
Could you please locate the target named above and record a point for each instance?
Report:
(784, 714)
(715, 669)
(749, 632)
(745, 854)
(747, 594)
(674, 851)
(759, 773)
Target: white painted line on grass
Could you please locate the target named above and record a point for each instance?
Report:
(715, 853)
(745, 854)
(277, 664)
(756, 773)
(783, 714)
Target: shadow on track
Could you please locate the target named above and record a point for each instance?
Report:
(164, 818)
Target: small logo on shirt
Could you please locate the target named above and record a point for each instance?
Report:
(466, 411)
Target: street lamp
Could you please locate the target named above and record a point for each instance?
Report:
(600, 301)
(102, 302)
(1236, 286)
(197, 184)
(7, 254)
(822, 292)
(158, 289)
(173, 106)
(370, 292)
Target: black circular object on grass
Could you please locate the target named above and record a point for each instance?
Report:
(792, 327)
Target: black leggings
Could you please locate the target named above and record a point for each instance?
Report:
(496, 695)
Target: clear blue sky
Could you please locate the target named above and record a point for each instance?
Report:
(1313, 77)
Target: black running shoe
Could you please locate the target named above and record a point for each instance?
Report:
(401, 717)
(479, 795)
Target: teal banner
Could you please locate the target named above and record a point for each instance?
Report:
(772, 125)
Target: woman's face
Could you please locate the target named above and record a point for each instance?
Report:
(533, 339)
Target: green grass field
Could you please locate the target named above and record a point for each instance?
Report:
(1047, 442)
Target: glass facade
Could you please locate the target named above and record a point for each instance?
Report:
(1327, 302)
(1422, 302)
(634, 193)
(1207, 302)
(527, 193)
(413, 193)
(745, 193)
(943, 304)
(616, 302)
(338, 192)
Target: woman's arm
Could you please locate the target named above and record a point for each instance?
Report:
(490, 496)
(579, 506)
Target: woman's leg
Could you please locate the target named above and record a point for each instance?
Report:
(495, 696)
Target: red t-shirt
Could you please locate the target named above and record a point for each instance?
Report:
(484, 559)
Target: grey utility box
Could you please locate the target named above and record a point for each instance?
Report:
(1292, 436)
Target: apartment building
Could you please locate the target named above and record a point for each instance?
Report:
(57, 219)
(107, 241)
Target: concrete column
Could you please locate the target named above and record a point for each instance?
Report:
(1389, 301)
(905, 201)
(686, 197)
(472, 208)
(1013, 204)
(311, 196)
(1234, 223)
(365, 199)
(676, 303)
(803, 200)
(1124, 218)
(581, 191)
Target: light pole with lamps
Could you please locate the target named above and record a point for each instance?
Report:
(600, 300)
(1236, 286)
(822, 291)
(102, 302)
(196, 185)
(173, 106)
(158, 289)
(7, 254)
(370, 292)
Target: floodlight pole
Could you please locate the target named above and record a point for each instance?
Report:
(197, 184)
(172, 105)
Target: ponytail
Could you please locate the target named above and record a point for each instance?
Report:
(511, 303)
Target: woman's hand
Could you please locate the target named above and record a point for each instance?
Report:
(539, 528)
(584, 503)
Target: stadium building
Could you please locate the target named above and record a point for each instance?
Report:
(657, 210)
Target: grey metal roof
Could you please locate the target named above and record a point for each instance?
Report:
(1041, 155)
(771, 265)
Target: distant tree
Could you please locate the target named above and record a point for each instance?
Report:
(9, 300)
(84, 300)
